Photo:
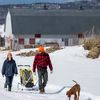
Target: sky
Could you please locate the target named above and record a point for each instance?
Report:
(31, 1)
(28, 1)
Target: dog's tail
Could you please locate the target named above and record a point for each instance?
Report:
(74, 81)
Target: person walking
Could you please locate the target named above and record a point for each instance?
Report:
(41, 61)
(8, 70)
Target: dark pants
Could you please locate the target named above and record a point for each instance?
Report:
(8, 82)
(43, 78)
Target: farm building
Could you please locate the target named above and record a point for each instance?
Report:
(66, 27)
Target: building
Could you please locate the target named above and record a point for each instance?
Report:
(28, 26)
(2, 43)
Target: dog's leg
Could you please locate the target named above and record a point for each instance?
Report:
(75, 96)
(78, 93)
(69, 98)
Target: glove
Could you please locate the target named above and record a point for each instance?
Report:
(15, 74)
(34, 73)
(51, 72)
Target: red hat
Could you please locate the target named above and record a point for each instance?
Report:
(41, 49)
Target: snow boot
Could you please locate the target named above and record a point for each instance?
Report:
(42, 90)
(9, 88)
(5, 86)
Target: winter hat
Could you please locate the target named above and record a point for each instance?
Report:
(9, 53)
(41, 49)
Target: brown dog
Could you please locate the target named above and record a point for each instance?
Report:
(73, 91)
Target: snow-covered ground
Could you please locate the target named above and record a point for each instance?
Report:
(69, 64)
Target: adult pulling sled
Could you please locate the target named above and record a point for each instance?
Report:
(28, 82)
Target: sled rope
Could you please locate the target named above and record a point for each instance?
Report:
(51, 93)
(59, 91)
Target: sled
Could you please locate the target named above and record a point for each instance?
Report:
(27, 78)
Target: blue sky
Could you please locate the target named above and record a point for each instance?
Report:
(27, 1)
(30, 1)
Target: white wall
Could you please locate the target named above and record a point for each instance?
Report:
(26, 41)
(8, 30)
(44, 40)
(2, 33)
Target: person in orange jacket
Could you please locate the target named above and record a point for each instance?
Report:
(41, 61)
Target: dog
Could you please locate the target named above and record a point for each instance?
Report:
(75, 90)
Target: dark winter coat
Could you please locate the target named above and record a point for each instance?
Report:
(41, 61)
(9, 68)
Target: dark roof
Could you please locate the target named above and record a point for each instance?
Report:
(54, 12)
(29, 21)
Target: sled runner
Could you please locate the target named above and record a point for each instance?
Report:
(27, 78)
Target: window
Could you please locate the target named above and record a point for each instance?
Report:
(80, 35)
(37, 35)
(32, 41)
(21, 40)
(2, 41)
(15, 41)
